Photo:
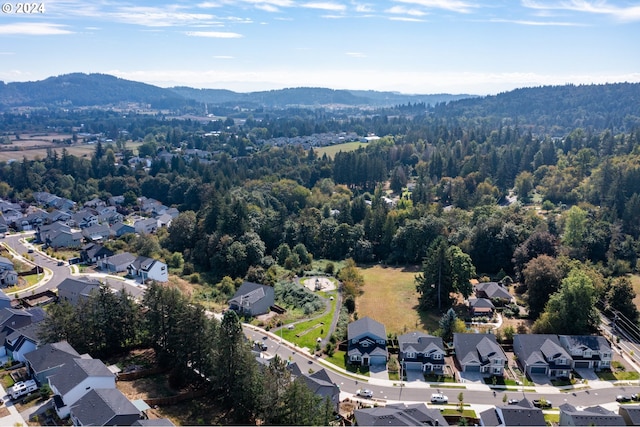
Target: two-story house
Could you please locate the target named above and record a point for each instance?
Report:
(75, 379)
(588, 351)
(540, 354)
(479, 353)
(367, 342)
(420, 351)
(149, 269)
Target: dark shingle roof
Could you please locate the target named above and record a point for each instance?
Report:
(364, 326)
(102, 406)
(472, 347)
(593, 416)
(76, 371)
(51, 355)
(493, 290)
(594, 342)
(123, 258)
(400, 414)
(248, 293)
(538, 348)
(419, 342)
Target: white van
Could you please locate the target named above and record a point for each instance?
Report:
(21, 388)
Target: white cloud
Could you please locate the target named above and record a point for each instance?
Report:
(267, 8)
(159, 17)
(364, 8)
(405, 19)
(335, 7)
(600, 7)
(538, 23)
(401, 10)
(451, 5)
(34, 29)
(214, 34)
(223, 57)
(356, 54)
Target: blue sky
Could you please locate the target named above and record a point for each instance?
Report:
(410, 46)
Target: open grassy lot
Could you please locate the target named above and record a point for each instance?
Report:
(331, 150)
(635, 281)
(390, 297)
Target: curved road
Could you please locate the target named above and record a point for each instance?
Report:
(57, 273)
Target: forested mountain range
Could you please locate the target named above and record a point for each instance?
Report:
(543, 110)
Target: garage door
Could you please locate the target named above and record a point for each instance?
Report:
(582, 365)
(378, 360)
(538, 370)
(472, 368)
(413, 366)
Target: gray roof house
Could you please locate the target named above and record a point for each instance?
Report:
(119, 229)
(420, 351)
(74, 290)
(319, 383)
(59, 235)
(47, 359)
(630, 414)
(593, 416)
(367, 342)
(479, 353)
(92, 252)
(146, 226)
(252, 299)
(481, 307)
(521, 414)
(117, 263)
(588, 351)
(540, 354)
(75, 379)
(493, 291)
(96, 232)
(104, 407)
(148, 269)
(400, 414)
(22, 341)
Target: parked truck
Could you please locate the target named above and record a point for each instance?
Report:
(22, 388)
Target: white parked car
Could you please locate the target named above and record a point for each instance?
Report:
(364, 392)
(439, 398)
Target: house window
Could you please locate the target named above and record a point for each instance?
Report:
(497, 370)
(364, 344)
(606, 355)
(410, 355)
(561, 361)
(587, 353)
(437, 356)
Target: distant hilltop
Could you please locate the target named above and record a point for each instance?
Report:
(100, 90)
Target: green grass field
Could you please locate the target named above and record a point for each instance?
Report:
(331, 150)
(390, 297)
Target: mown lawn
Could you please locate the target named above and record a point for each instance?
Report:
(389, 296)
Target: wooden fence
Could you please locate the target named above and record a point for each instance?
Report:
(172, 400)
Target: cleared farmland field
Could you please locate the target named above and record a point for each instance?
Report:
(390, 297)
(331, 150)
(17, 152)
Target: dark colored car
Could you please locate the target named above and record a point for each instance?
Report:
(513, 401)
(542, 404)
(623, 398)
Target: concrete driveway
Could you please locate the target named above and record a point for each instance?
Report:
(414, 375)
(587, 374)
(471, 377)
(378, 372)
